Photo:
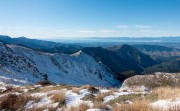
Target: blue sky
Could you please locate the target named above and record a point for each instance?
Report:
(89, 18)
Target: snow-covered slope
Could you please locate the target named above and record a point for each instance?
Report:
(19, 65)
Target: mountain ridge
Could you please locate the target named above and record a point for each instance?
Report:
(60, 68)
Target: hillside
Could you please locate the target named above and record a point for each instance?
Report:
(21, 65)
(171, 66)
(111, 60)
(121, 58)
(158, 52)
(132, 55)
(41, 45)
(151, 81)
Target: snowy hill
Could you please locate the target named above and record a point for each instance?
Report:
(21, 65)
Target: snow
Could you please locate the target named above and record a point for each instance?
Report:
(165, 104)
(27, 66)
(74, 99)
(84, 92)
(108, 98)
(104, 90)
(116, 95)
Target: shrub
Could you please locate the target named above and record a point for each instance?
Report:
(80, 107)
(89, 97)
(101, 105)
(100, 97)
(45, 83)
(92, 89)
(59, 97)
(83, 107)
(14, 102)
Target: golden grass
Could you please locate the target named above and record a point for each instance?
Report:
(92, 89)
(50, 108)
(50, 88)
(59, 97)
(85, 86)
(76, 90)
(142, 106)
(133, 97)
(83, 107)
(100, 97)
(167, 92)
(140, 101)
(136, 106)
(89, 97)
(16, 102)
(80, 107)
(100, 105)
(112, 90)
(173, 108)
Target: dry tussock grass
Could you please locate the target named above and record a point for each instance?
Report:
(80, 107)
(173, 108)
(167, 92)
(59, 97)
(142, 106)
(100, 105)
(14, 102)
(10, 89)
(47, 88)
(91, 88)
(42, 108)
(136, 106)
(76, 90)
(100, 97)
(85, 86)
(112, 91)
(83, 107)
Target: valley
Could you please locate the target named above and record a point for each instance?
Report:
(38, 75)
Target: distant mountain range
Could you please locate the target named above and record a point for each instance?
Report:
(159, 53)
(175, 39)
(41, 45)
(25, 61)
(170, 67)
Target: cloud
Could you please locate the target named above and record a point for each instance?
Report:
(58, 30)
(1, 27)
(146, 30)
(8, 27)
(87, 31)
(144, 26)
(122, 26)
(107, 31)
